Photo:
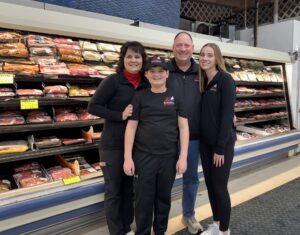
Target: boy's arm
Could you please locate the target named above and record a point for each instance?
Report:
(128, 146)
(184, 144)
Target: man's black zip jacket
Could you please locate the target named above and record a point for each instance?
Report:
(187, 83)
(217, 112)
(109, 101)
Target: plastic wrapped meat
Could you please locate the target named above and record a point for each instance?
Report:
(103, 47)
(60, 173)
(66, 51)
(59, 68)
(21, 68)
(110, 57)
(73, 141)
(13, 120)
(68, 41)
(72, 58)
(66, 117)
(89, 46)
(16, 45)
(9, 35)
(85, 72)
(27, 182)
(27, 166)
(41, 51)
(91, 55)
(58, 89)
(68, 46)
(29, 92)
(14, 146)
(38, 119)
(27, 174)
(20, 53)
(87, 116)
(38, 41)
(77, 91)
(47, 142)
(7, 94)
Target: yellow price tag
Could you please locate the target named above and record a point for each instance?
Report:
(6, 78)
(72, 180)
(29, 104)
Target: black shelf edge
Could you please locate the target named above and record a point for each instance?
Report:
(47, 152)
(260, 120)
(281, 94)
(47, 126)
(259, 108)
(245, 83)
(43, 101)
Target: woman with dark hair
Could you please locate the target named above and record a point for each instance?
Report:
(112, 102)
(217, 134)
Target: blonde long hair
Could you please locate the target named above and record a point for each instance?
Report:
(219, 63)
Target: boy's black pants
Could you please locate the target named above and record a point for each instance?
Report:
(153, 182)
(118, 202)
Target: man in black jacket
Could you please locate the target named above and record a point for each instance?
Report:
(184, 79)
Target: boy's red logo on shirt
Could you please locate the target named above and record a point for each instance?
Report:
(169, 101)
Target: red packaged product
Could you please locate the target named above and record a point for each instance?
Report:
(61, 173)
(27, 166)
(27, 182)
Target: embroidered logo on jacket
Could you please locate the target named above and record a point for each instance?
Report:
(214, 88)
(169, 101)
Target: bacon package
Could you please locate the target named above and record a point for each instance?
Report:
(38, 41)
(56, 89)
(21, 68)
(20, 53)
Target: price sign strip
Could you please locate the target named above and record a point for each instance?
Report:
(72, 180)
(7, 78)
(29, 104)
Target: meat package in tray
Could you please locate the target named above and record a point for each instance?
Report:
(58, 173)
(47, 142)
(38, 116)
(64, 113)
(30, 174)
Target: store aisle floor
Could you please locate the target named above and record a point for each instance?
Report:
(260, 212)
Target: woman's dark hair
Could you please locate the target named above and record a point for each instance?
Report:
(136, 47)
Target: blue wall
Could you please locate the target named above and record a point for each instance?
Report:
(159, 12)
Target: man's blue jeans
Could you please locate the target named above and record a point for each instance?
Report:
(191, 180)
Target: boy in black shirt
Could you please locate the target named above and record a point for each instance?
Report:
(151, 137)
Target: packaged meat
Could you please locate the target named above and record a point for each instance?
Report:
(46, 61)
(104, 70)
(90, 89)
(41, 51)
(39, 112)
(60, 173)
(38, 41)
(66, 51)
(73, 141)
(96, 166)
(53, 69)
(103, 47)
(91, 56)
(77, 66)
(10, 113)
(16, 45)
(57, 89)
(72, 58)
(29, 92)
(13, 120)
(8, 89)
(47, 142)
(6, 36)
(20, 53)
(87, 116)
(21, 68)
(85, 72)
(38, 119)
(27, 166)
(68, 41)
(5, 94)
(75, 90)
(110, 57)
(57, 96)
(32, 181)
(89, 46)
(68, 46)
(63, 109)
(27, 174)
(66, 117)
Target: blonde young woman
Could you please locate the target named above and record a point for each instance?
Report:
(217, 134)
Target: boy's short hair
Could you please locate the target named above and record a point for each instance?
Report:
(156, 61)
